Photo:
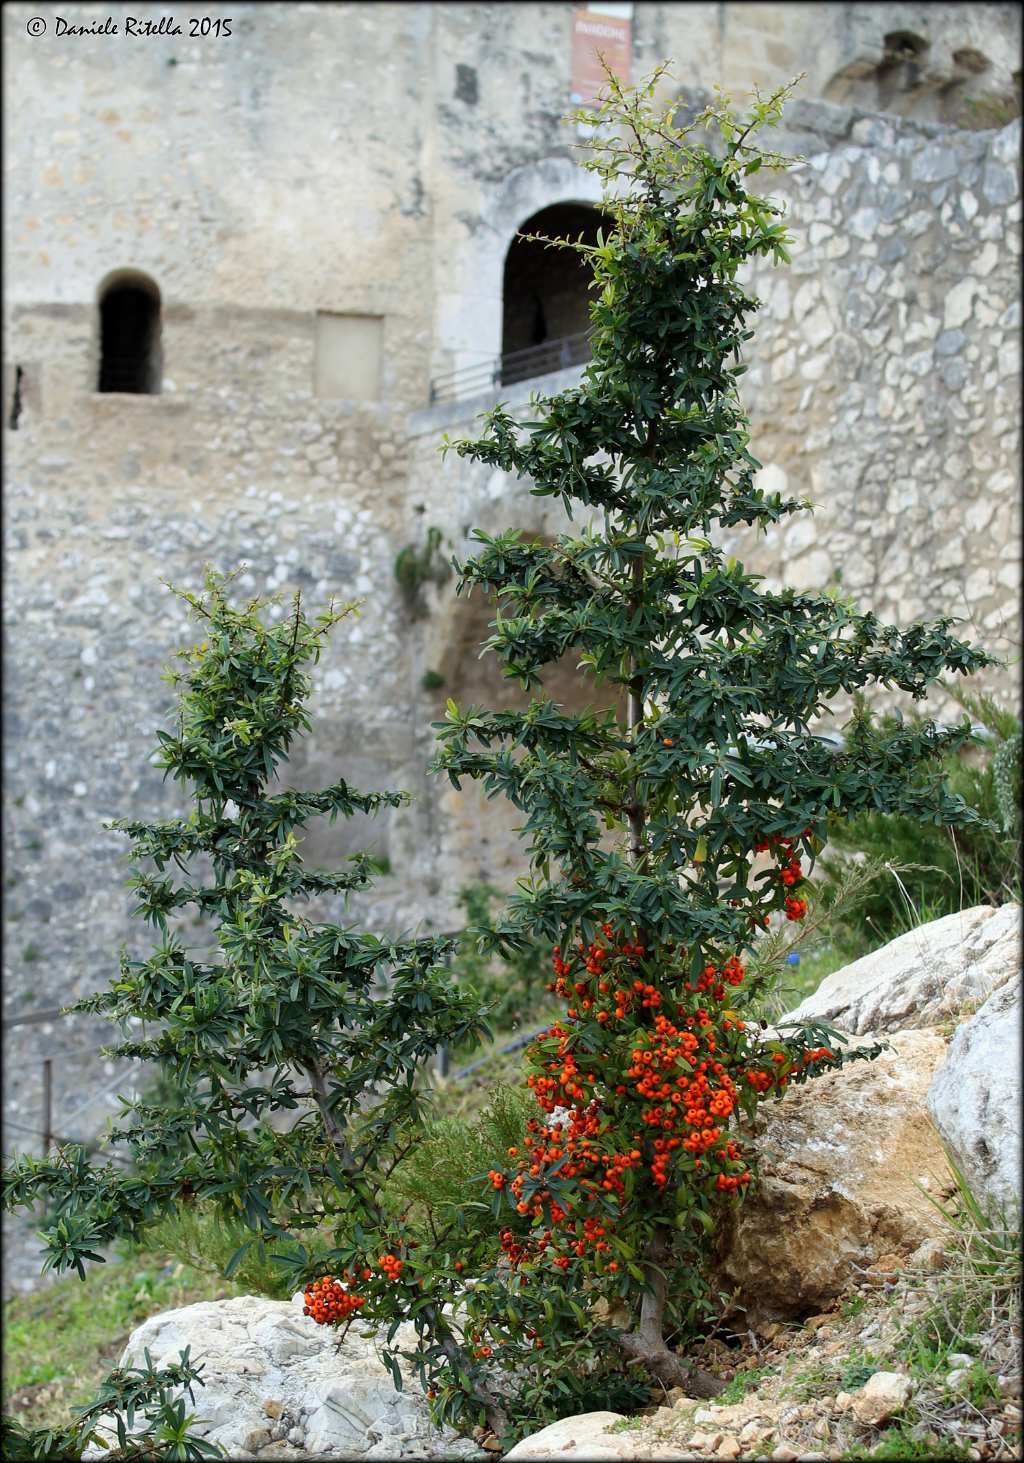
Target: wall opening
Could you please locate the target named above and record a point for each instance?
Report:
(545, 302)
(130, 355)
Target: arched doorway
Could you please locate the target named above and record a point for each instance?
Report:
(130, 356)
(546, 297)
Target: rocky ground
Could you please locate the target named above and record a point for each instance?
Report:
(865, 1376)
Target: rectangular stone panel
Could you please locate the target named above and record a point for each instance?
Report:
(347, 356)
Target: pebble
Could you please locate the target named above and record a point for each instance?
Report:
(706, 1440)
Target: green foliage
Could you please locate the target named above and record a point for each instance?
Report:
(150, 1419)
(944, 869)
(514, 987)
(903, 1441)
(417, 565)
(443, 1171)
(431, 680)
(205, 1239)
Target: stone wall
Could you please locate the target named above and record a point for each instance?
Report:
(337, 159)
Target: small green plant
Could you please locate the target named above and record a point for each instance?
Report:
(30, 954)
(851, 1306)
(907, 1441)
(857, 1372)
(928, 872)
(420, 564)
(150, 1422)
(1006, 780)
(743, 1383)
(431, 681)
(979, 1291)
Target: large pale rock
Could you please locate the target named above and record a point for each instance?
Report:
(974, 1098)
(585, 1437)
(839, 1160)
(923, 978)
(277, 1385)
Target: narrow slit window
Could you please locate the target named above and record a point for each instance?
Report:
(130, 335)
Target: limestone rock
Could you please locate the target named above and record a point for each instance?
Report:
(881, 1396)
(272, 1374)
(836, 1193)
(974, 1098)
(922, 978)
(579, 1438)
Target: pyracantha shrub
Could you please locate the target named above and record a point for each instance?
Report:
(291, 1054)
(666, 835)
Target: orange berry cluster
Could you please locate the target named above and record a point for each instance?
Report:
(391, 1265)
(330, 1301)
(656, 1096)
(686, 1085)
(791, 870)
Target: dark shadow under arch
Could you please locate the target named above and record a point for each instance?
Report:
(546, 296)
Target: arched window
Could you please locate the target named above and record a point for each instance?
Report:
(546, 299)
(130, 357)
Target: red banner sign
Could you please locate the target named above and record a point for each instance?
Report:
(593, 35)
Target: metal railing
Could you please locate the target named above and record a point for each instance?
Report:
(512, 366)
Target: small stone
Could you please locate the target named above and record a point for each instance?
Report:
(863, 223)
(959, 1358)
(1000, 184)
(491, 1444)
(935, 163)
(957, 1377)
(705, 1440)
(273, 1408)
(881, 1396)
(784, 1453)
(931, 1254)
(728, 1448)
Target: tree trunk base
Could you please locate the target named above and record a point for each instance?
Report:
(669, 1369)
